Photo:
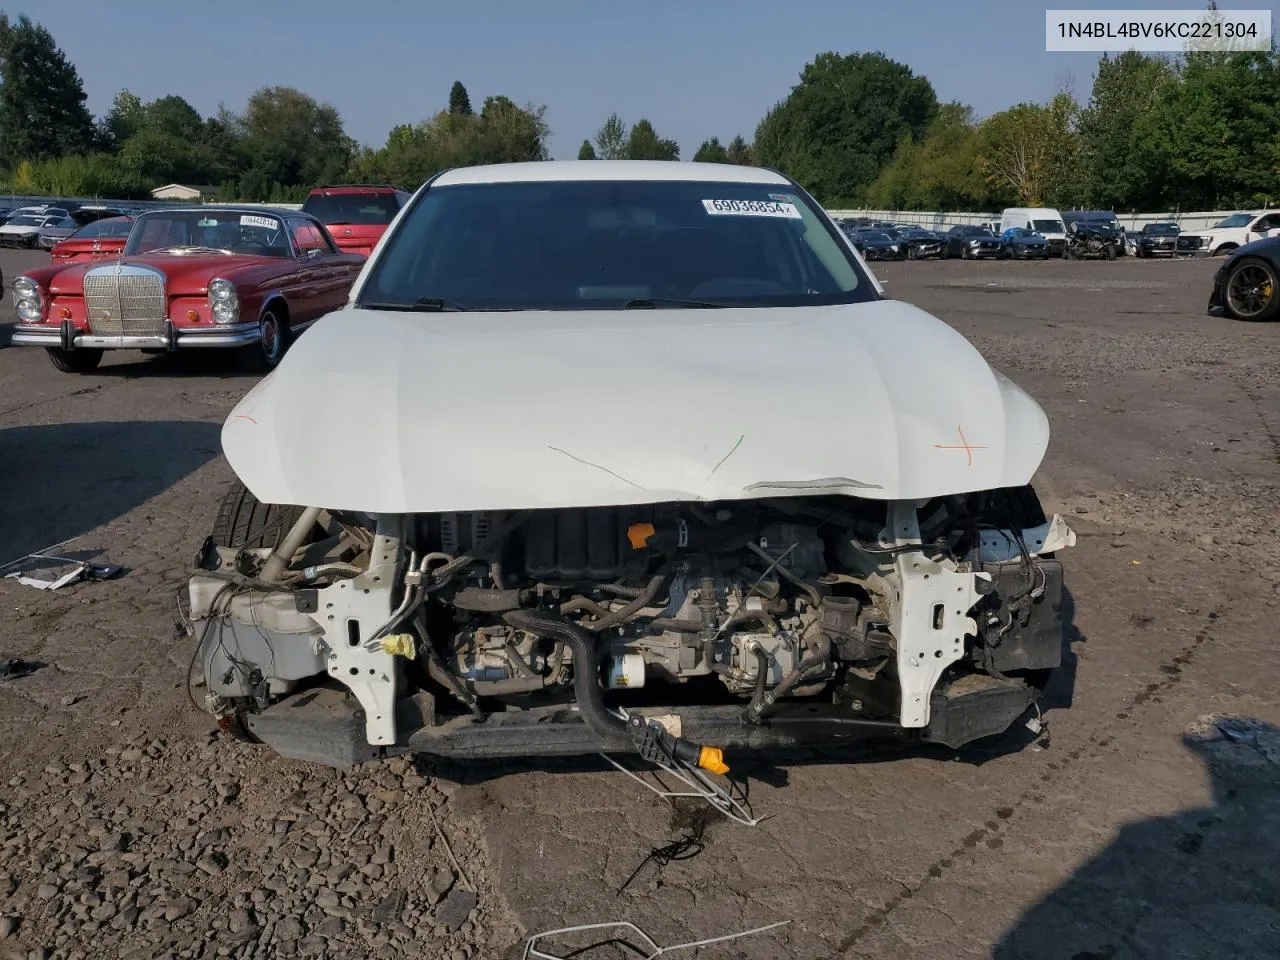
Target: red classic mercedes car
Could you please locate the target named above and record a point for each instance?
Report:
(247, 278)
(101, 240)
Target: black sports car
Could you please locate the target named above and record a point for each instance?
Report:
(969, 242)
(1246, 286)
(877, 245)
(1158, 239)
(921, 244)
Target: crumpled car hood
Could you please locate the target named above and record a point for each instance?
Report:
(419, 412)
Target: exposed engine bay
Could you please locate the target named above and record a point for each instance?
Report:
(753, 623)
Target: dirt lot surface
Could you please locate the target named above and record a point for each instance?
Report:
(129, 829)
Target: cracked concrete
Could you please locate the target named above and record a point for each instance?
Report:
(1115, 840)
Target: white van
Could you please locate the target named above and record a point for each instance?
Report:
(1043, 220)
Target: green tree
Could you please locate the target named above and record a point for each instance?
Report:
(1126, 89)
(123, 120)
(586, 151)
(643, 143)
(503, 132)
(939, 172)
(288, 137)
(459, 100)
(739, 152)
(507, 133)
(1210, 138)
(711, 152)
(42, 101)
(842, 123)
(1027, 153)
(611, 139)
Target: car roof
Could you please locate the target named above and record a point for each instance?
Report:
(233, 208)
(341, 188)
(646, 170)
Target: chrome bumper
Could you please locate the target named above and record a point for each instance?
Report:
(30, 335)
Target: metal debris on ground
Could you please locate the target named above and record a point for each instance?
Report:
(648, 943)
(16, 667)
(61, 571)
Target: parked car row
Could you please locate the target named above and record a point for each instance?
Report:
(44, 226)
(252, 278)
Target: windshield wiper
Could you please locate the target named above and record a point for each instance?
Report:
(653, 303)
(421, 305)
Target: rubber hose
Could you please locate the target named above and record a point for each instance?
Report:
(677, 626)
(621, 590)
(586, 669)
(580, 604)
(762, 702)
(645, 598)
(747, 616)
(762, 674)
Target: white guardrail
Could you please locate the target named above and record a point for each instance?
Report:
(1189, 222)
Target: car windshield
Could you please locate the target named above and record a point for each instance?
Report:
(27, 221)
(876, 236)
(1162, 229)
(1048, 226)
(104, 228)
(203, 231)
(63, 223)
(1236, 220)
(604, 244)
(336, 209)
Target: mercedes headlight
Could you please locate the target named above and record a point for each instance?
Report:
(224, 305)
(27, 300)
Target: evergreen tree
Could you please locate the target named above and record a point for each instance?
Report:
(42, 111)
(711, 152)
(459, 100)
(586, 151)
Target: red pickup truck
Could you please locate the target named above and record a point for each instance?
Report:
(357, 215)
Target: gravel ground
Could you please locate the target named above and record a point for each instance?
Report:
(1136, 829)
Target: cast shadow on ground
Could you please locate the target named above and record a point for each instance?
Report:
(772, 767)
(1199, 884)
(63, 480)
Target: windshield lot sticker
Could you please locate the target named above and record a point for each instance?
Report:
(270, 223)
(751, 208)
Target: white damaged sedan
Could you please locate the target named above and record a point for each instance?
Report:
(622, 455)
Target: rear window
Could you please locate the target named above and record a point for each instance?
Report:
(337, 209)
(104, 228)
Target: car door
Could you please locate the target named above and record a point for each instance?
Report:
(1263, 227)
(331, 271)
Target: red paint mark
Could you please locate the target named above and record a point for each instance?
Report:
(245, 416)
(964, 445)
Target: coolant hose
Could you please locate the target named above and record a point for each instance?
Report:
(586, 669)
(639, 603)
(762, 702)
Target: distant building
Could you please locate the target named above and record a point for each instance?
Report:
(181, 191)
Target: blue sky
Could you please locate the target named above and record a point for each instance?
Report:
(695, 68)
